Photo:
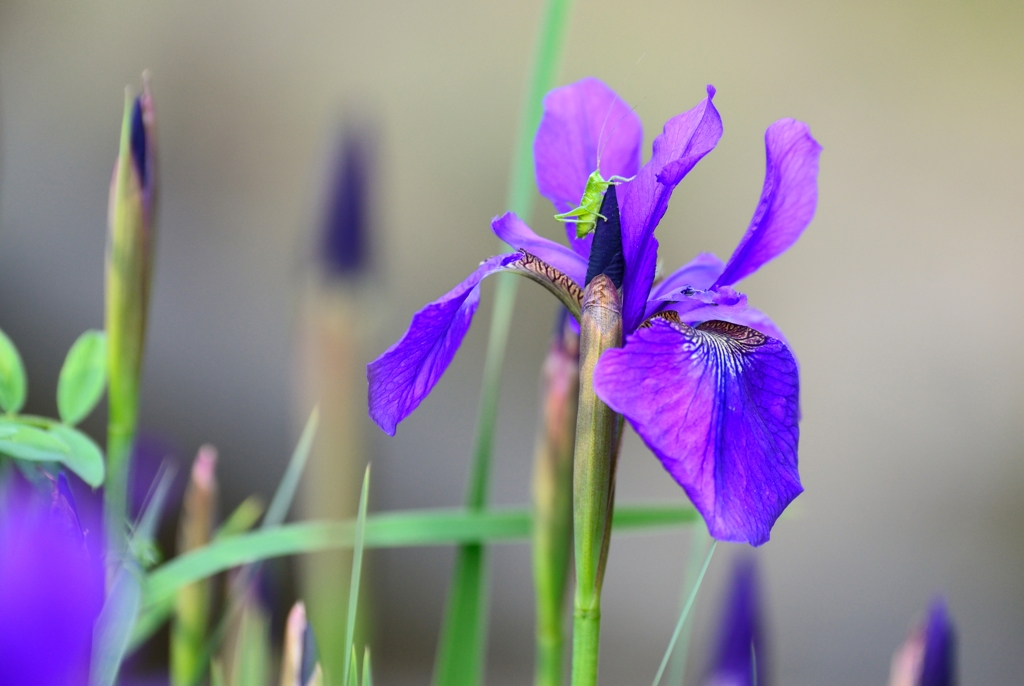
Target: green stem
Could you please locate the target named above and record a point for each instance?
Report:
(552, 502)
(597, 433)
(115, 489)
(463, 637)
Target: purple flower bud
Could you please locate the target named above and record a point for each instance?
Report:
(928, 656)
(741, 642)
(343, 243)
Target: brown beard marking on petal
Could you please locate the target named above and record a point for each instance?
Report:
(536, 269)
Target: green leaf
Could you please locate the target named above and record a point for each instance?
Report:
(83, 377)
(242, 519)
(84, 457)
(352, 677)
(114, 626)
(367, 674)
(383, 530)
(24, 442)
(282, 499)
(13, 384)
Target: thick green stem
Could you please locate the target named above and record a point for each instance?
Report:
(597, 433)
(552, 501)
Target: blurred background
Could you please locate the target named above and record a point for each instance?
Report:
(902, 301)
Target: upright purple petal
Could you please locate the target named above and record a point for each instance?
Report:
(402, 377)
(584, 124)
(699, 273)
(788, 199)
(51, 590)
(741, 658)
(718, 406)
(514, 231)
(643, 201)
(938, 668)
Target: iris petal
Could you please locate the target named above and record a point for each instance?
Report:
(718, 406)
(788, 199)
(514, 231)
(402, 377)
(700, 272)
(642, 202)
(583, 122)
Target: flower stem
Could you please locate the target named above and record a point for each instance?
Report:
(552, 499)
(462, 645)
(597, 440)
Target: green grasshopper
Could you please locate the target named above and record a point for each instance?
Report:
(589, 211)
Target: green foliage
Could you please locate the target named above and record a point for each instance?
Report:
(23, 442)
(351, 676)
(684, 614)
(384, 530)
(83, 377)
(114, 625)
(13, 383)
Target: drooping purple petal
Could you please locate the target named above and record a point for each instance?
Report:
(584, 124)
(514, 231)
(938, 668)
(788, 199)
(642, 202)
(402, 377)
(51, 590)
(741, 658)
(718, 406)
(699, 273)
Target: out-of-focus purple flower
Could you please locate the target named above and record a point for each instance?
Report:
(51, 590)
(741, 658)
(707, 382)
(928, 656)
(346, 226)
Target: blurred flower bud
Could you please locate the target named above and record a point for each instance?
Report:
(300, 664)
(344, 248)
(741, 658)
(928, 656)
(192, 605)
(129, 267)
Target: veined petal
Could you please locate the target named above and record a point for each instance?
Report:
(585, 127)
(402, 377)
(788, 199)
(718, 406)
(514, 231)
(699, 273)
(643, 201)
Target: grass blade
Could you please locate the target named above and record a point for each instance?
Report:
(114, 626)
(285, 493)
(353, 588)
(383, 530)
(684, 614)
(463, 639)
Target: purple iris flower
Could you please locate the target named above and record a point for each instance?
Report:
(741, 658)
(707, 381)
(51, 589)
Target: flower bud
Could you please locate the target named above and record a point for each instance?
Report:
(192, 605)
(128, 270)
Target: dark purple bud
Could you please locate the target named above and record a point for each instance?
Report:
(741, 659)
(346, 227)
(938, 667)
(606, 250)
